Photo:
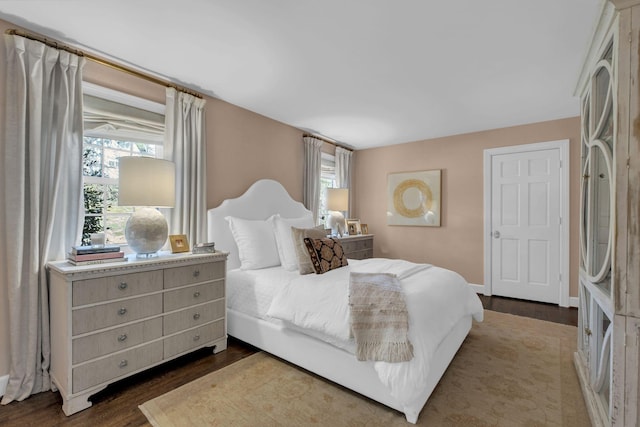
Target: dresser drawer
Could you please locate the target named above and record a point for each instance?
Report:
(113, 287)
(114, 313)
(100, 344)
(179, 276)
(193, 316)
(368, 253)
(348, 246)
(356, 245)
(194, 338)
(119, 364)
(191, 295)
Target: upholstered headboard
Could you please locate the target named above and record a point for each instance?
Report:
(263, 199)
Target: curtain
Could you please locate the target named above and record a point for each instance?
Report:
(41, 193)
(185, 145)
(344, 170)
(312, 171)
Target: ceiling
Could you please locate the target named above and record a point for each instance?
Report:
(365, 73)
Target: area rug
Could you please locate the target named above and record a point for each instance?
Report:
(510, 371)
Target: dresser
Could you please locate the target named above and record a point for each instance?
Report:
(359, 246)
(112, 320)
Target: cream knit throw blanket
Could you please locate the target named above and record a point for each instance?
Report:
(379, 317)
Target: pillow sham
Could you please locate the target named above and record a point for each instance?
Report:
(256, 242)
(284, 242)
(302, 255)
(326, 254)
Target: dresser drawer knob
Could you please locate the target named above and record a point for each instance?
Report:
(196, 273)
(196, 338)
(122, 337)
(122, 286)
(196, 294)
(196, 316)
(123, 363)
(122, 311)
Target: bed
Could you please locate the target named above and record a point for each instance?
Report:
(252, 296)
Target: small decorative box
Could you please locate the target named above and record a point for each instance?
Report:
(204, 248)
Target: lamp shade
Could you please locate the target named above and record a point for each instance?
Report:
(150, 183)
(337, 199)
(145, 181)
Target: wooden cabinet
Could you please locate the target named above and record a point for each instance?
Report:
(109, 321)
(357, 247)
(608, 353)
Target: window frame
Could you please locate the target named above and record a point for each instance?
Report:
(103, 181)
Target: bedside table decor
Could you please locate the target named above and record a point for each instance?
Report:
(337, 202)
(148, 184)
(179, 243)
(204, 248)
(353, 226)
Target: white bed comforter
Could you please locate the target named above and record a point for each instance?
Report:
(436, 300)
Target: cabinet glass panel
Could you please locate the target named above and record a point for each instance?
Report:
(584, 323)
(596, 234)
(601, 352)
(584, 185)
(600, 232)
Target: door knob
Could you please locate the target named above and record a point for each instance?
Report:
(496, 234)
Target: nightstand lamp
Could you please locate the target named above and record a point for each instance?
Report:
(337, 202)
(148, 184)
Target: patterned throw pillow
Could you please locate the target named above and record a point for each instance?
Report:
(298, 235)
(326, 254)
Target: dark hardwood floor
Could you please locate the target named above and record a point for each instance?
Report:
(117, 405)
(536, 310)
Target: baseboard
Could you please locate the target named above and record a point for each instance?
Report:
(478, 288)
(573, 301)
(4, 380)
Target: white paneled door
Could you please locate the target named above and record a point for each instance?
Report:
(525, 238)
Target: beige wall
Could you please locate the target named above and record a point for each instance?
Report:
(458, 243)
(241, 147)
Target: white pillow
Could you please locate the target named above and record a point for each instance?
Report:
(284, 239)
(256, 242)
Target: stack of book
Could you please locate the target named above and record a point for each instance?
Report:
(84, 255)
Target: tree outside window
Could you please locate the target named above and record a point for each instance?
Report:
(100, 170)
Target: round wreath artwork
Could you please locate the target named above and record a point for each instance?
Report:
(426, 201)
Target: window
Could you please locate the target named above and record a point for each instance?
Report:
(116, 125)
(327, 180)
(100, 170)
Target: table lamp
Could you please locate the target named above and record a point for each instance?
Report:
(147, 184)
(337, 201)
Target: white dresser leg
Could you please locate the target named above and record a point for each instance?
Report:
(75, 404)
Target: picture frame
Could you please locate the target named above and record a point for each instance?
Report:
(179, 243)
(353, 226)
(414, 198)
(364, 228)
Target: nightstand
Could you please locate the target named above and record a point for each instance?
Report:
(359, 246)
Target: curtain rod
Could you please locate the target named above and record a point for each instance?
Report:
(102, 61)
(304, 135)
